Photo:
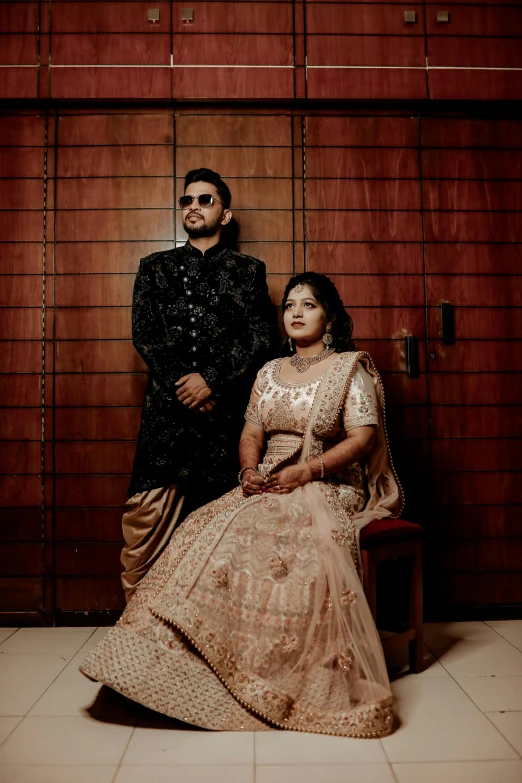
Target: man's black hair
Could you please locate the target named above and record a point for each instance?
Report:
(212, 177)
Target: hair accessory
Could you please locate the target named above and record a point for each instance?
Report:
(327, 337)
(302, 363)
(298, 288)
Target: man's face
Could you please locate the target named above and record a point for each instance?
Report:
(204, 221)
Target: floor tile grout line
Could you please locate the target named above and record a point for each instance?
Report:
(504, 638)
(486, 715)
(9, 637)
(125, 749)
(388, 761)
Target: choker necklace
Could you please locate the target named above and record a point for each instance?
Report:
(302, 363)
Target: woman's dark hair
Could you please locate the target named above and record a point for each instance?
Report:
(207, 175)
(328, 297)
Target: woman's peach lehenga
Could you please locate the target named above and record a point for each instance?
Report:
(254, 616)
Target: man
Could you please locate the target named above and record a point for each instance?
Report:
(201, 320)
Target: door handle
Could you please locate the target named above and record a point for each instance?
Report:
(412, 356)
(447, 323)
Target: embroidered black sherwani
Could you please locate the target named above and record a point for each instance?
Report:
(209, 314)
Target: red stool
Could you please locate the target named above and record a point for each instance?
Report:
(390, 539)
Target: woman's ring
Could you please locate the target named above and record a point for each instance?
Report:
(277, 486)
(202, 408)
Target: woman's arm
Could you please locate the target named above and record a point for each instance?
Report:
(251, 445)
(356, 446)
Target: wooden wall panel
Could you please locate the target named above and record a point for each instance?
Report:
(471, 172)
(22, 139)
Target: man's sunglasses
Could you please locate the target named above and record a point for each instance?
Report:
(205, 200)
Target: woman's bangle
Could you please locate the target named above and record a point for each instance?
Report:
(243, 471)
(322, 465)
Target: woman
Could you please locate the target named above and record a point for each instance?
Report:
(254, 617)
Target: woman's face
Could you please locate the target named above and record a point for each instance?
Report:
(304, 318)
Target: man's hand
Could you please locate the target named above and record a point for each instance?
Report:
(194, 393)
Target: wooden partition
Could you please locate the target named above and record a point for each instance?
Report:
(402, 212)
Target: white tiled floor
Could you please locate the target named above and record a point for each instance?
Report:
(460, 721)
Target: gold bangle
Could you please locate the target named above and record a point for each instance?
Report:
(243, 471)
(322, 465)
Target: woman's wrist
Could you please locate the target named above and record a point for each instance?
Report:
(245, 470)
(317, 468)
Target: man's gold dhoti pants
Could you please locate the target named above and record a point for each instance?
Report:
(147, 528)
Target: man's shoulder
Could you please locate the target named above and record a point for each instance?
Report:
(242, 261)
(161, 255)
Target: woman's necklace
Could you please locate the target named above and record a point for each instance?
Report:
(302, 363)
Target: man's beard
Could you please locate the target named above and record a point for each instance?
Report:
(203, 230)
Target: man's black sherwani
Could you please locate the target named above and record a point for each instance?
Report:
(209, 314)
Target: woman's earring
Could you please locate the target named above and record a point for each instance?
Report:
(290, 344)
(327, 337)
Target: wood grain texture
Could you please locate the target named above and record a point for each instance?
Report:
(98, 356)
(232, 49)
(21, 194)
(22, 161)
(18, 82)
(238, 17)
(327, 131)
(382, 194)
(21, 458)
(487, 521)
(466, 133)
(367, 83)
(476, 356)
(113, 256)
(94, 290)
(19, 49)
(20, 424)
(364, 226)
(22, 390)
(93, 323)
(20, 323)
(20, 129)
(115, 17)
(22, 356)
(361, 163)
(88, 491)
(477, 20)
(480, 323)
(110, 82)
(224, 82)
(21, 594)
(477, 84)
(115, 193)
(474, 52)
(477, 556)
(389, 355)
(21, 559)
(380, 291)
(364, 257)
(471, 164)
(105, 225)
(397, 50)
(476, 421)
(21, 226)
(89, 593)
(99, 559)
(478, 488)
(91, 457)
(473, 226)
(474, 290)
(272, 162)
(100, 389)
(486, 454)
(387, 322)
(481, 195)
(469, 258)
(20, 490)
(96, 423)
(21, 524)
(145, 160)
(363, 19)
(88, 524)
(102, 49)
(223, 129)
(142, 127)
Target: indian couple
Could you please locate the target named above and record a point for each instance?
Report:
(250, 614)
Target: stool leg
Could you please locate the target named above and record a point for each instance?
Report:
(416, 647)
(370, 581)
